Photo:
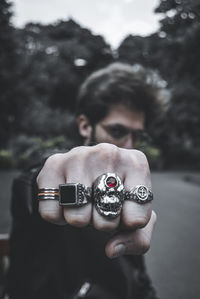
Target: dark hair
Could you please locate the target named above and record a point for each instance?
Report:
(120, 83)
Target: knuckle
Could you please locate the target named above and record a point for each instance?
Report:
(154, 216)
(78, 154)
(78, 220)
(142, 160)
(51, 165)
(144, 245)
(38, 179)
(78, 150)
(136, 222)
(142, 221)
(140, 155)
(139, 159)
(52, 160)
(49, 216)
(109, 152)
(105, 226)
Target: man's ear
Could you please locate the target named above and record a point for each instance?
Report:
(84, 126)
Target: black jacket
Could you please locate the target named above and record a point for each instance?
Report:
(63, 262)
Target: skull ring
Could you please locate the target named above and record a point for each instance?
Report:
(108, 193)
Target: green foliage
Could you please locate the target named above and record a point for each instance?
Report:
(6, 159)
(42, 66)
(24, 149)
(58, 141)
(153, 154)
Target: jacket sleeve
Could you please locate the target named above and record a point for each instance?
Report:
(32, 242)
(24, 190)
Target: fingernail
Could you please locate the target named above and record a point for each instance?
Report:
(119, 250)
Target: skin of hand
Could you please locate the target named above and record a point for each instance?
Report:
(133, 227)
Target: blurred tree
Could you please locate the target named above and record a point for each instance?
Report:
(134, 49)
(180, 27)
(56, 59)
(180, 32)
(178, 15)
(8, 58)
(174, 51)
(42, 66)
(178, 133)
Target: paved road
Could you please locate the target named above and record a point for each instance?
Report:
(174, 259)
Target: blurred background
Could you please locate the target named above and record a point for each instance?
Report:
(42, 64)
(47, 48)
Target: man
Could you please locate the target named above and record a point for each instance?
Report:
(93, 249)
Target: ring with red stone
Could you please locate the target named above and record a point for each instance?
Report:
(108, 195)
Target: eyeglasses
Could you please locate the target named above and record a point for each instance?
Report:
(118, 131)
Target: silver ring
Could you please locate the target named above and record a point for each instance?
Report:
(140, 194)
(48, 194)
(108, 193)
(74, 194)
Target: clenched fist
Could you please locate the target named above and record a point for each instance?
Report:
(133, 227)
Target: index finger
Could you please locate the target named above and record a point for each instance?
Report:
(50, 177)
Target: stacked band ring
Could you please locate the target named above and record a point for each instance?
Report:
(48, 193)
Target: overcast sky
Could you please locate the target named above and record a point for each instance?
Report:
(114, 19)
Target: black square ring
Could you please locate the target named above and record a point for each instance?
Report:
(74, 194)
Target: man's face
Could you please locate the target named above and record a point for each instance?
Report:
(123, 126)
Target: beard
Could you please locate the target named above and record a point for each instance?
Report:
(92, 140)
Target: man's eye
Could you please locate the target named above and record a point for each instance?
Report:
(117, 132)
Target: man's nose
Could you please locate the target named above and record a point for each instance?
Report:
(129, 143)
